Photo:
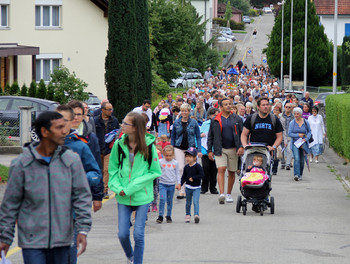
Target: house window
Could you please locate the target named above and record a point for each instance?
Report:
(47, 16)
(44, 68)
(3, 15)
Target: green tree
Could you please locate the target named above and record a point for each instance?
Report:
(32, 89)
(41, 92)
(345, 63)
(319, 55)
(122, 58)
(144, 76)
(67, 86)
(242, 5)
(7, 89)
(50, 92)
(228, 12)
(177, 38)
(14, 90)
(24, 90)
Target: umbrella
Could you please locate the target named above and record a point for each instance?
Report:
(232, 71)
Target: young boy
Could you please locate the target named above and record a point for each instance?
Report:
(192, 175)
(257, 164)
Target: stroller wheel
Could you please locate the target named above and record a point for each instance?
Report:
(272, 205)
(262, 209)
(239, 204)
(244, 209)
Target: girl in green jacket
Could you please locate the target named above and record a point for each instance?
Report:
(133, 165)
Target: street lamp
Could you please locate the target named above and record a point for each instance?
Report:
(291, 47)
(282, 4)
(335, 46)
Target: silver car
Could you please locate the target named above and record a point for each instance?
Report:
(187, 80)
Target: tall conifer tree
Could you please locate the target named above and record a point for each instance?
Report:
(121, 61)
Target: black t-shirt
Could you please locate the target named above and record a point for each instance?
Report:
(262, 130)
(184, 142)
(227, 133)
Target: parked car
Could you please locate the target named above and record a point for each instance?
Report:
(222, 39)
(231, 37)
(246, 19)
(225, 30)
(93, 102)
(9, 112)
(321, 98)
(187, 80)
(267, 10)
(298, 94)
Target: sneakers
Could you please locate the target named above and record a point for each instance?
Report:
(187, 218)
(180, 196)
(222, 199)
(154, 208)
(229, 198)
(310, 160)
(296, 178)
(129, 261)
(274, 173)
(105, 195)
(168, 219)
(160, 219)
(283, 167)
(196, 219)
(288, 167)
(316, 161)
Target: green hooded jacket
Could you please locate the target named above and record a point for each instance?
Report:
(136, 182)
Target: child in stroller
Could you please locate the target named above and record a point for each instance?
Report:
(255, 180)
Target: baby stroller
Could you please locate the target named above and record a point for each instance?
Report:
(256, 193)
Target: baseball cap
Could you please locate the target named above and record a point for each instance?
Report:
(192, 151)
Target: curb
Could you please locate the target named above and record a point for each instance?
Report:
(11, 150)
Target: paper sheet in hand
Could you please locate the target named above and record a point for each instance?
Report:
(299, 142)
(204, 141)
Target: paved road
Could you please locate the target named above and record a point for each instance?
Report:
(310, 225)
(263, 24)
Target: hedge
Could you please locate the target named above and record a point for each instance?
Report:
(338, 123)
(233, 25)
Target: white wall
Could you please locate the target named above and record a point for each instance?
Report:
(328, 23)
(205, 9)
(82, 40)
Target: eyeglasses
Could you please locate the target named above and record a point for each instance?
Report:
(126, 124)
(288, 107)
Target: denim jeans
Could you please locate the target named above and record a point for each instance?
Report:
(195, 193)
(287, 155)
(298, 154)
(166, 193)
(58, 255)
(73, 251)
(124, 214)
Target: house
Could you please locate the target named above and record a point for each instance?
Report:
(236, 13)
(38, 35)
(207, 10)
(325, 11)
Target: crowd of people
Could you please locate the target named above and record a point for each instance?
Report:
(188, 143)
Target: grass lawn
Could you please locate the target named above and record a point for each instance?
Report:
(4, 172)
(239, 32)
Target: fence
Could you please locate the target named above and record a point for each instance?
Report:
(16, 126)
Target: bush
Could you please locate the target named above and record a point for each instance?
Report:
(14, 90)
(24, 90)
(41, 92)
(7, 89)
(159, 86)
(253, 12)
(50, 92)
(32, 89)
(233, 25)
(338, 123)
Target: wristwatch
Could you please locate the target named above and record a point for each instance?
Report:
(274, 146)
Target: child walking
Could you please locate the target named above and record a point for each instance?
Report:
(192, 175)
(167, 181)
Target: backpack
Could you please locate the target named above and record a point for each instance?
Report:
(273, 120)
(122, 155)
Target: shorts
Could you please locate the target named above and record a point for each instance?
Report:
(228, 159)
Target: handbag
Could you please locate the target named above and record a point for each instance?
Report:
(308, 129)
(279, 155)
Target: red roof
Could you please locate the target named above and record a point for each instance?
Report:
(222, 9)
(326, 7)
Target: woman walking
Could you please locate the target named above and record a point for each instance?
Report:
(185, 134)
(299, 130)
(133, 166)
(318, 133)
